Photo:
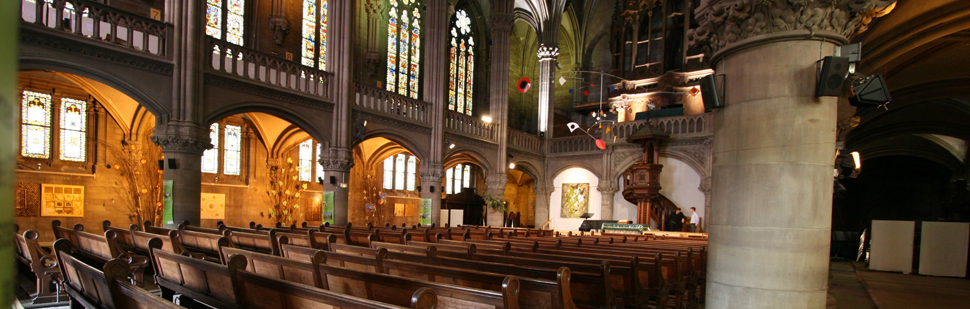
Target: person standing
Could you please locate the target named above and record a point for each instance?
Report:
(677, 221)
(695, 219)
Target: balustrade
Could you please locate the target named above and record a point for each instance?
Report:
(99, 22)
(525, 141)
(677, 127)
(469, 125)
(386, 102)
(228, 58)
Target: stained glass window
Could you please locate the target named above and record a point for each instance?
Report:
(389, 173)
(399, 172)
(404, 47)
(412, 168)
(73, 130)
(210, 158)
(35, 117)
(462, 64)
(232, 153)
(449, 176)
(234, 24)
(306, 160)
(314, 51)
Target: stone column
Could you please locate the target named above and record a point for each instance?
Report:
(184, 144)
(9, 120)
(774, 143)
(500, 28)
(432, 177)
(547, 71)
(543, 191)
(607, 189)
(339, 157)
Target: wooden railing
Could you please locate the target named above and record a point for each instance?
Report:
(100, 22)
(386, 102)
(677, 127)
(524, 141)
(230, 59)
(469, 125)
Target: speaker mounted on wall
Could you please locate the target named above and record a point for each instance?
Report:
(710, 91)
(831, 74)
(872, 91)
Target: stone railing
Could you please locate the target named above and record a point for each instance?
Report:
(99, 22)
(524, 141)
(462, 123)
(678, 127)
(230, 59)
(389, 103)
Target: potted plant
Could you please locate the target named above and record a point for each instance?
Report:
(497, 209)
(495, 204)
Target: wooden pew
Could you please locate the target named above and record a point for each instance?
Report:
(265, 243)
(143, 240)
(260, 292)
(185, 226)
(124, 235)
(156, 229)
(309, 239)
(198, 281)
(200, 245)
(61, 232)
(42, 264)
(101, 249)
(91, 288)
(293, 270)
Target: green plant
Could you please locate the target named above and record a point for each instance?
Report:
(284, 193)
(494, 203)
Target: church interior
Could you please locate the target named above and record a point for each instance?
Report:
(660, 153)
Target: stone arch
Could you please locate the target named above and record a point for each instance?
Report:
(575, 165)
(405, 141)
(683, 156)
(467, 155)
(277, 110)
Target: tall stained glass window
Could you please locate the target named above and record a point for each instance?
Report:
(462, 64)
(73, 130)
(306, 160)
(314, 52)
(232, 153)
(458, 177)
(466, 179)
(399, 172)
(210, 158)
(389, 173)
(226, 17)
(35, 118)
(404, 47)
(412, 169)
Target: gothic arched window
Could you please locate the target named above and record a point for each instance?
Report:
(306, 160)
(404, 47)
(226, 18)
(210, 158)
(73, 130)
(314, 52)
(457, 178)
(400, 172)
(462, 73)
(35, 118)
(232, 155)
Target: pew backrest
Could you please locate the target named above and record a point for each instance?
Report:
(200, 280)
(279, 267)
(261, 292)
(265, 243)
(61, 232)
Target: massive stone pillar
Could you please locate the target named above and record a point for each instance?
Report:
(607, 188)
(184, 144)
(9, 118)
(500, 28)
(434, 85)
(339, 158)
(774, 144)
(543, 190)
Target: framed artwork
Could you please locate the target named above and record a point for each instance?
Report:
(398, 210)
(213, 206)
(575, 200)
(61, 201)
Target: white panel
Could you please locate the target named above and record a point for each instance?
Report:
(943, 249)
(457, 216)
(891, 247)
(574, 175)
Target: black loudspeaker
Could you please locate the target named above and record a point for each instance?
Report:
(872, 92)
(709, 92)
(173, 164)
(161, 165)
(431, 188)
(333, 180)
(832, 74)
(419, 188)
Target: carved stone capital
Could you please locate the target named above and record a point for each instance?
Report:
(548, 52)
(183, 144)
(608, 186)
(337, 160)
(501, 24)
(374, 8)
(496, 183)
(543, 189)
(280, 27)
(705, 185)
(432, 173)
(724, 22)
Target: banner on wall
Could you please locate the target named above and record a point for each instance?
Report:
(167, 202)
(425, 214)
(327, 206)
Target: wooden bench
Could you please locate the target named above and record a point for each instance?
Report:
(61, 232)
(143, 241)
(124, 235)
(260, 292)
(293, 270)
(91, 288)
(200, 245)
(265, 243)
(157, 230)
(197, 280)
(100, 249)
(42, 264)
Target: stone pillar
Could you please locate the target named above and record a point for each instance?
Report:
(339, 158)
(547, 71)
(500, 28)
(774, 143)
(434, 85)
(185, 144)
(607, 188)
(543, 191)
(9, 120)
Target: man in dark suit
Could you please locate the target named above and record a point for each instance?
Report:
(677, 221)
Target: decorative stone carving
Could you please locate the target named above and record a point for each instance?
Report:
(722, 22)
(181, 144)
(374, 8)
(337, 160)
(280, 27)
(608, 186)
(501, 23)
(496, 183)
(431, 173)
(705, 185)
(548, 52)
